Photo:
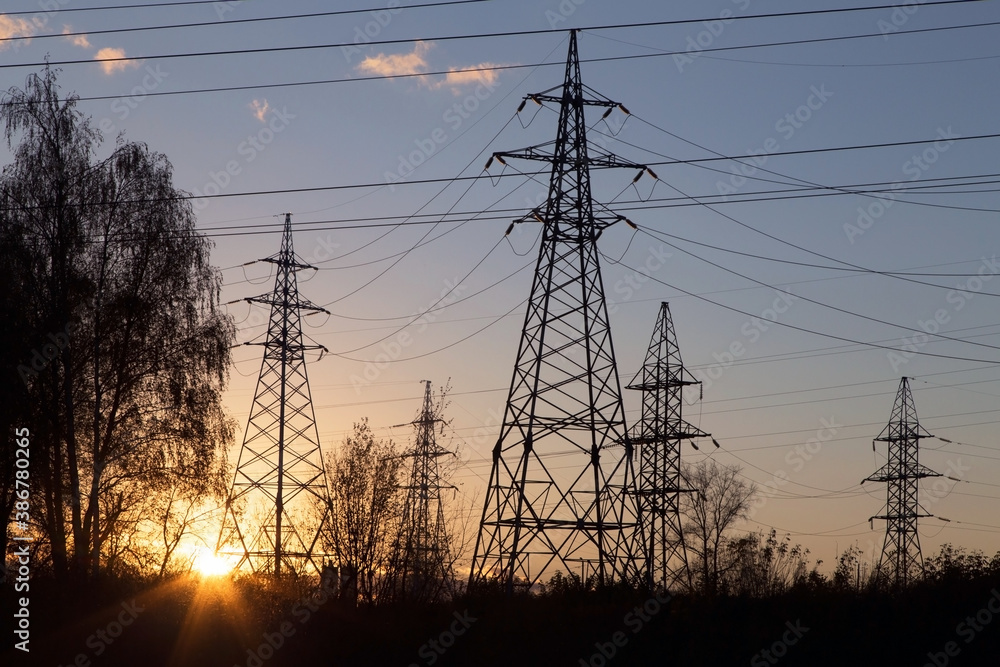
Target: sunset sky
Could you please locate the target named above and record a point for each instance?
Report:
(328, 120)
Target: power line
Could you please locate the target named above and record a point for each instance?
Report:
(622, 205)
(306, 47)
(826, 305)
(772, 236)
(383, 8)
(800, 64)
(895, 186)
(230, 22)
(803, 329)
(253, 193)
(148, 5)
(816, 266)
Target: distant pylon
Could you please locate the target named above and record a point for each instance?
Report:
(901, 560)
(560, 494)
(280, 479)
(658, 438)
(422, 569)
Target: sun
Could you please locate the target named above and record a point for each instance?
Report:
(208, 564)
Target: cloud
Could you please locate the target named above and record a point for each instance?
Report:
(260, 109)
(409, 63)
(109, 65)
(14, 27)
(458, 78)
(415, 63)
(77, 40)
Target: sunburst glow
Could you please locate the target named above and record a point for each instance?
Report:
(208, 564)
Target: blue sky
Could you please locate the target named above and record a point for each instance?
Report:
(768, 388)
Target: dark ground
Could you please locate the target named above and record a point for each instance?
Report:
(220, 624)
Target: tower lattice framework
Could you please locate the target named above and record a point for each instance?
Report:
(658, 438)
(560, 495)
(901, 560)
(423, 569)
(280, 480)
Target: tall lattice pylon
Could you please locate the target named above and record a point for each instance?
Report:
(280, 479)
(658, 439)
(901, 560)
(560, 491)
(422, 555)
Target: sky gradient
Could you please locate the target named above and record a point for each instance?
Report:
(794, 407)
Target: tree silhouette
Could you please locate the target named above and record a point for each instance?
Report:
(721, 498)
(134, 349)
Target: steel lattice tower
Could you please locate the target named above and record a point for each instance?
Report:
(279, 478)
(901, 560)
(658, 438)
(423, 567)
(565, 395)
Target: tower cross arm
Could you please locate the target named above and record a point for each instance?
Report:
(538, 98)
(273, 299)
(884, 474)
(287, 262)
(538, 153)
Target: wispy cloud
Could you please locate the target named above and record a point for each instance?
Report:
(260, 109)
(14, 27)
(107, 57)
(76, 40)
(394, 64)
(416, 63)
(473, 75)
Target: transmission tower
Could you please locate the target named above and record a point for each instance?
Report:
(565, 397)
(423, 568)
(280, 478)
(901, 560)
(658, 438)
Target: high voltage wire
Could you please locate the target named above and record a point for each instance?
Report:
(282, 49)
(812, 354)
(846, 269)
(800, 64)
(148, 5)
(780, 357)
(421, 242)
(713, 412)
(481, 459)
(769, 358)
(425, 181)
(803, 184)
(235, 21)
(772, 236)
(562, 454)
(530, 263)
(789, 496)
(800, 185)
(804, 329)
(621, 205)
(451, 2)
(863, 438)
(710, 206)
(826, 305)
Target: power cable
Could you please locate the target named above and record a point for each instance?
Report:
(229, 22)
(803, 329)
